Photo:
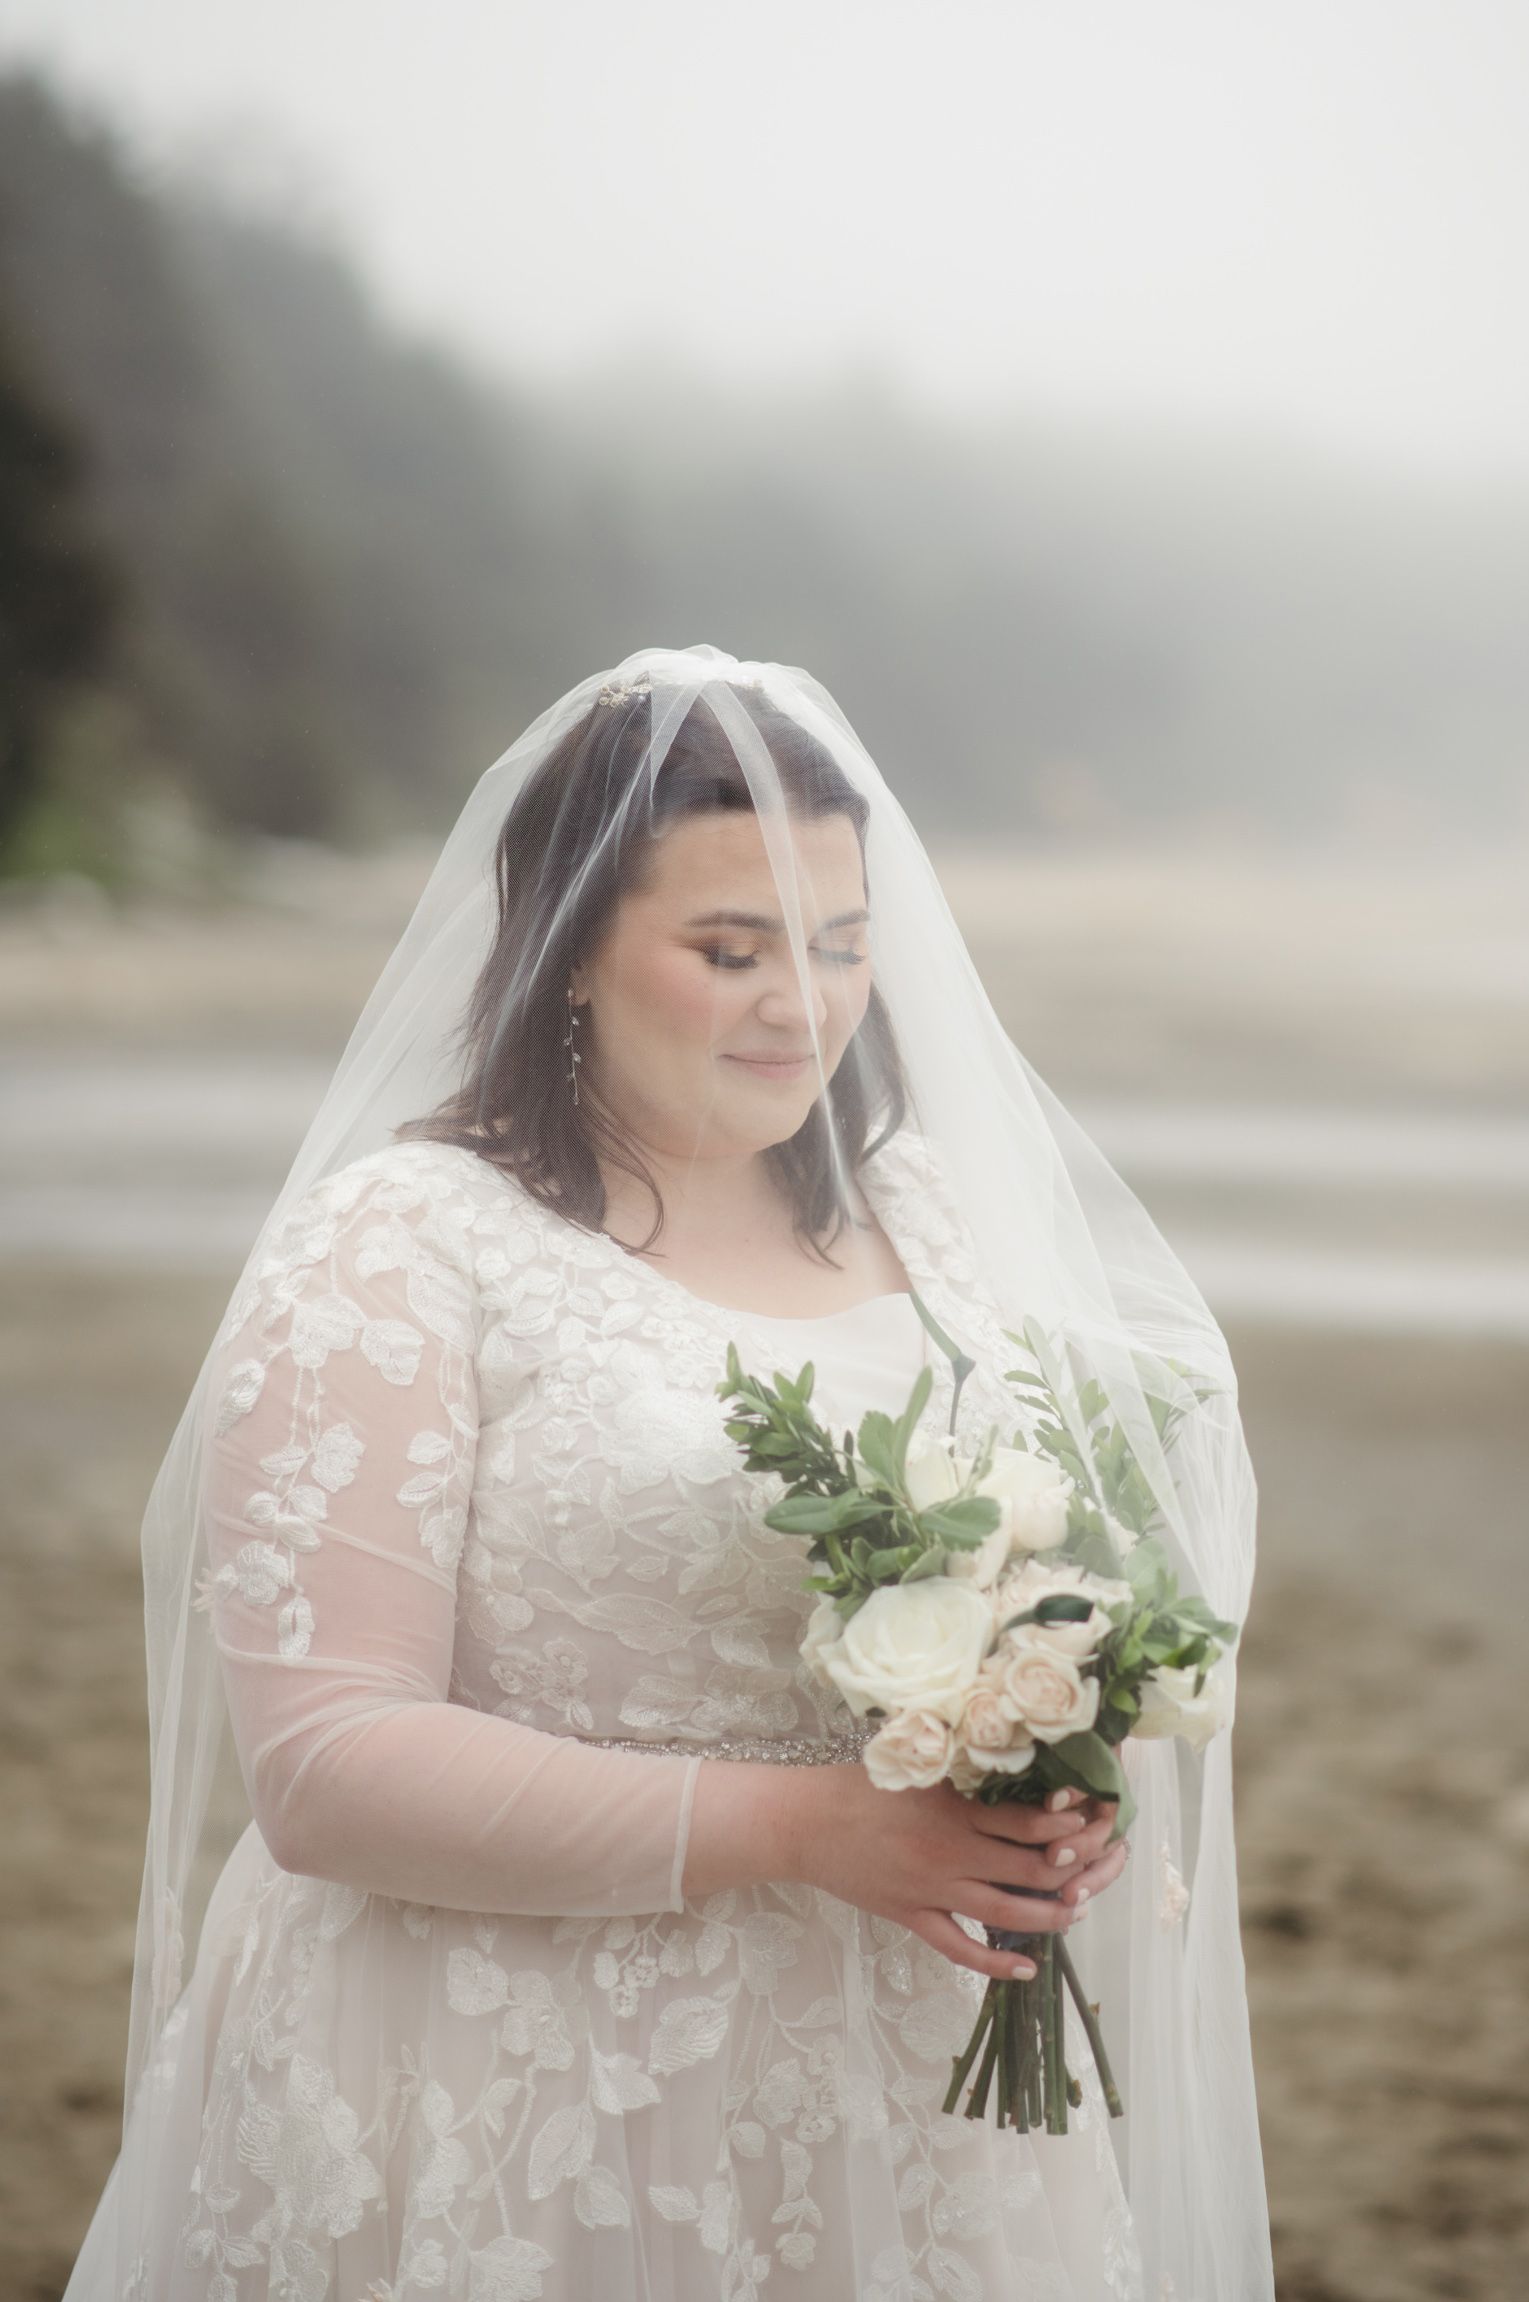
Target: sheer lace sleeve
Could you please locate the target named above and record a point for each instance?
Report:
(335, 1504)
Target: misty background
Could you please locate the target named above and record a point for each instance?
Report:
(1129, 422)
(1125, 414)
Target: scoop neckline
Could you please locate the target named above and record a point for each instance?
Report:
(706, 1303)
(821, 1318)
(629, 1261)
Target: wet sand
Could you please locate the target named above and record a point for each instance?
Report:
(1381, 1747)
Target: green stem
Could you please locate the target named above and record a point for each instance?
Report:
(1056, 2122)
(961, 2063)
(1090, 2022)
(1048, 1971)
(984, 2078)
(1024, 2055)
(1034, 2107)
(961, 1364)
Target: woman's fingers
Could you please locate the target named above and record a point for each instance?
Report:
(1025, 1862)
(1024, 1825)
(1084, 1846)
(940, 1931)
(995, 1905)
(1006, 1862)
(1095, 1875)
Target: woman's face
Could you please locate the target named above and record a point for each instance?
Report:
(693, 1026)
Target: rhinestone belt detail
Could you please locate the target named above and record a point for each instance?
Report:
(781, 1750)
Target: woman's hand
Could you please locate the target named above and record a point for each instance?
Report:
(921, 1856)
(1095, 1863)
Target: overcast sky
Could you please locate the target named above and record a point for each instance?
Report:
(1311, 215)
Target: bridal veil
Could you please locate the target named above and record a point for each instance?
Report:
(1063, 1243)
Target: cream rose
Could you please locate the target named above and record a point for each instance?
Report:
(993, 1737)
(910, 1752)
(1169, 1705)
(1047, 1690)
(1013, 1759)
(912, 1646)
(988, 1722)
(1033, 1496)
(965, 1774)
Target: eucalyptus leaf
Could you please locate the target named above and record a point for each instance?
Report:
(964, 1520)
(816, 1514)
(903, 1429)
(877, 1447)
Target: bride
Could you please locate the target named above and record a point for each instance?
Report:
(568, 1949)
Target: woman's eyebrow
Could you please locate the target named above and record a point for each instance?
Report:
(757, 919)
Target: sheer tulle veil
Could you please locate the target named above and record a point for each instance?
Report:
(1063, 1243)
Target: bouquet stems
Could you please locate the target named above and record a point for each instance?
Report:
(1019, 2038)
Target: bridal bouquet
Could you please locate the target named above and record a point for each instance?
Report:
(1009, 1618)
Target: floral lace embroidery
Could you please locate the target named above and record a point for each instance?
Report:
(1174, 1898)
(567, 1464)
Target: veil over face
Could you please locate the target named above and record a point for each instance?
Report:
(684, 919)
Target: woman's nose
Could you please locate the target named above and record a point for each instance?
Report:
(782, 1005)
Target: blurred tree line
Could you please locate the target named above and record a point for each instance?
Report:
(269, 565)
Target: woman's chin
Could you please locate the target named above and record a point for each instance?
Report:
(760, 1118)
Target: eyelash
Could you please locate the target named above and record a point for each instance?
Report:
(717, 957)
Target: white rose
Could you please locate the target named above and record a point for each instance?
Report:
(1078, 1639)
(1035, 1581)
(912, 1645)
(1169, 1705)
(824, 1625)
(1048, 1690)
(910, 1752)
(1123, 1537)
(983, 1566)
(1033, 1496)
(933, 1470)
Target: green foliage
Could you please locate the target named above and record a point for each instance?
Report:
(1092, 1764)
(1073, 1428)
(863, 1530)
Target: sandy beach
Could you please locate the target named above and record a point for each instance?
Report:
(1381, 1744)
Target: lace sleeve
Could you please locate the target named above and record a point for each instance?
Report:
(334, 1507)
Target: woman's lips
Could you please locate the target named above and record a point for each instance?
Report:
(768, 1067)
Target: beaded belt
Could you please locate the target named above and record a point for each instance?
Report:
(781, 1750)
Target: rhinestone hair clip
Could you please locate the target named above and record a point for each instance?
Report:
(623, 691)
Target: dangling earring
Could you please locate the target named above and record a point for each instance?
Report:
(573, 1025)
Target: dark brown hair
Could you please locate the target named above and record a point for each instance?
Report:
(580, 835)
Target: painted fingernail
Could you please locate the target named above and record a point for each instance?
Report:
(1058, 1799)
(1023, 1969)
(1064, 1855)
(1083, 1894)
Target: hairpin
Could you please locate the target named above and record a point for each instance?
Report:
(614, 692)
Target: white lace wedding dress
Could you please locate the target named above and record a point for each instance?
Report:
(453, 2029)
